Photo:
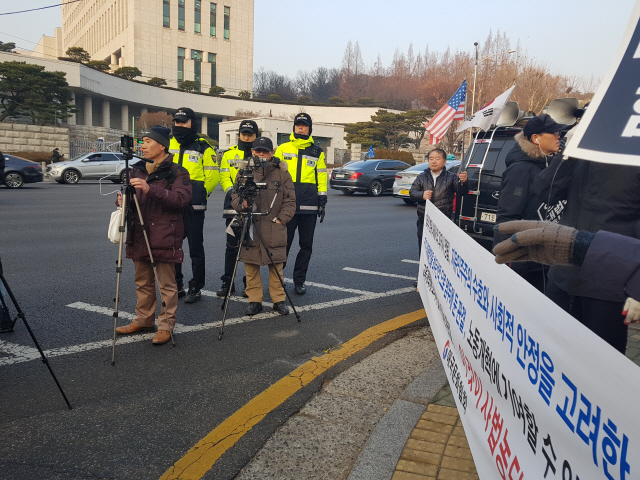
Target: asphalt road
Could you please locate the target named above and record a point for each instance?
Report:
(135, 419)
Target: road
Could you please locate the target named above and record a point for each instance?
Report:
(137, 418)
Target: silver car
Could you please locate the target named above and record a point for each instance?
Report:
(89, 166)
(405, 179)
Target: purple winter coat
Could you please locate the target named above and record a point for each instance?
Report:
(162, 209)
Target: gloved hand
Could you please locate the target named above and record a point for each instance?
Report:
(542, 242)
(321, 213)
(631, 311)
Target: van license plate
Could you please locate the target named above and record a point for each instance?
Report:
(488, 217)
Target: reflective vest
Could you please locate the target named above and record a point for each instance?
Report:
(228, 174)
(308, 171)
(199, 158)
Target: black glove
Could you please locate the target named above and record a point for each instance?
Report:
(321, 213)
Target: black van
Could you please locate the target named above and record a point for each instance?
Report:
(485, 161)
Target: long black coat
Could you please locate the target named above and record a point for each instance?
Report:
(447, 185)
(599, 196)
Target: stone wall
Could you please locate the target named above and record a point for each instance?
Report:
(18, 138)
(91, 134)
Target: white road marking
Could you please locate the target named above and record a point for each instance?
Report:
(19, 354)
(235, 298)
(381, 274)
(411, 261)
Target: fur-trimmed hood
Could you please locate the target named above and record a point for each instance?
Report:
(525, 151)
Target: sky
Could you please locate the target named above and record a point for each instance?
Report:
(573, 37)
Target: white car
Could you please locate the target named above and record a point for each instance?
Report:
(89, 166)
(404, 179)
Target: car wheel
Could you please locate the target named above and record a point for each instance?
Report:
(13, 180)
(71, 176)
(375, 188)
(348, 192)
(122, 178)
(408, 201)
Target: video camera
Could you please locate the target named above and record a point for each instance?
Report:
(245, 186)
(126, 147)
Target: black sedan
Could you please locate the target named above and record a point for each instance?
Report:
(371, 176)
(17, 172)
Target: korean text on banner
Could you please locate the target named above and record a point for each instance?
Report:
(609, 132)
(539, 395)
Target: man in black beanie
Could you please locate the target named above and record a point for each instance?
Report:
(309, 172)
(247, 132)
(195, 154)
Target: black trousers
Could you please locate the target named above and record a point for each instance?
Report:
(602, 317)
(306, 225)
(193, 228)
(230, 253)
(420, 224)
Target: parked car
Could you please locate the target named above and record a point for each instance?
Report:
(371, 176)
(89, 166)
(404, 180)
(18, 171)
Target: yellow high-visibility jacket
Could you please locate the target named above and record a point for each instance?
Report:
(199, 158)
(228, 174)
(309, 172)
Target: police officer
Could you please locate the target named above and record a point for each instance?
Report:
(309, 172)
(248, 132)
(196, 155)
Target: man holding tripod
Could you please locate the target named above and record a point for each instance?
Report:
(163, 191)
(199, 158)
(272, 227)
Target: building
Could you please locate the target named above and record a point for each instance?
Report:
(327, 135)
(209, 42)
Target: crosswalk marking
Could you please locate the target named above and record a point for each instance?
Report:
(381, 274)
(411, 261)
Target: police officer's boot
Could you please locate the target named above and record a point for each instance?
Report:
(193, 295)
(224, 289)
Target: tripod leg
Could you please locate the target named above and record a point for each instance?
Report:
(225, 304)
(163, 308)
(125, 206)
(33, 337)
(269, 254)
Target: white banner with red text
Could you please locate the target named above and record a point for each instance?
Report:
(540, 396)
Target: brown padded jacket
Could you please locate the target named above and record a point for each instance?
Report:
(284, 208)
(162, 209)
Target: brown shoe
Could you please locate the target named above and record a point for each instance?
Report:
(132, 328)
(162, 336)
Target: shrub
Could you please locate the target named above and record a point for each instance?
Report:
(245, 94)
(336, 101)
(394, 155)
(217, 91)
(304, 99)
(78, 54)
(100, 65)
(157, 81)
(128, 73)
(188, 86)
(274, 97)
(365, 101)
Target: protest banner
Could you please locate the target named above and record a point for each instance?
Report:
(539, 395)
(609, 131)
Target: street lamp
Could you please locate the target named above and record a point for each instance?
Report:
(475, 72)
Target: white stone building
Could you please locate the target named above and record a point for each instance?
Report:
(209, 42)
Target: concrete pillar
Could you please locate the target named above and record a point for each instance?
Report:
(88, 111)
(72, 119)
(121, 59)
(144, 110)
(114, 60)
(204, 126)
(106, 114)
(124, 114)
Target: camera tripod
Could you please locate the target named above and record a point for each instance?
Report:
(128, 192)
(33, 337)
(247, 219)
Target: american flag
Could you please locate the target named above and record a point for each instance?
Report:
(452, 110)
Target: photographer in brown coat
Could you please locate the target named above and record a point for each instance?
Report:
(272, 227)
(163, 190)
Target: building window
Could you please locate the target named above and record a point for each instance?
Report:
(181, 52)
(212, 61)
(197, 17)
(196, 56)
(181, 15)
(227, 21)
(165, 14)
(212, 19)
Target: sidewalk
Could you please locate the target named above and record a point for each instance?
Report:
(390, 417)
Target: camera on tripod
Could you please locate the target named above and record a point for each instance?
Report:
(246, 186)
(126, 147)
